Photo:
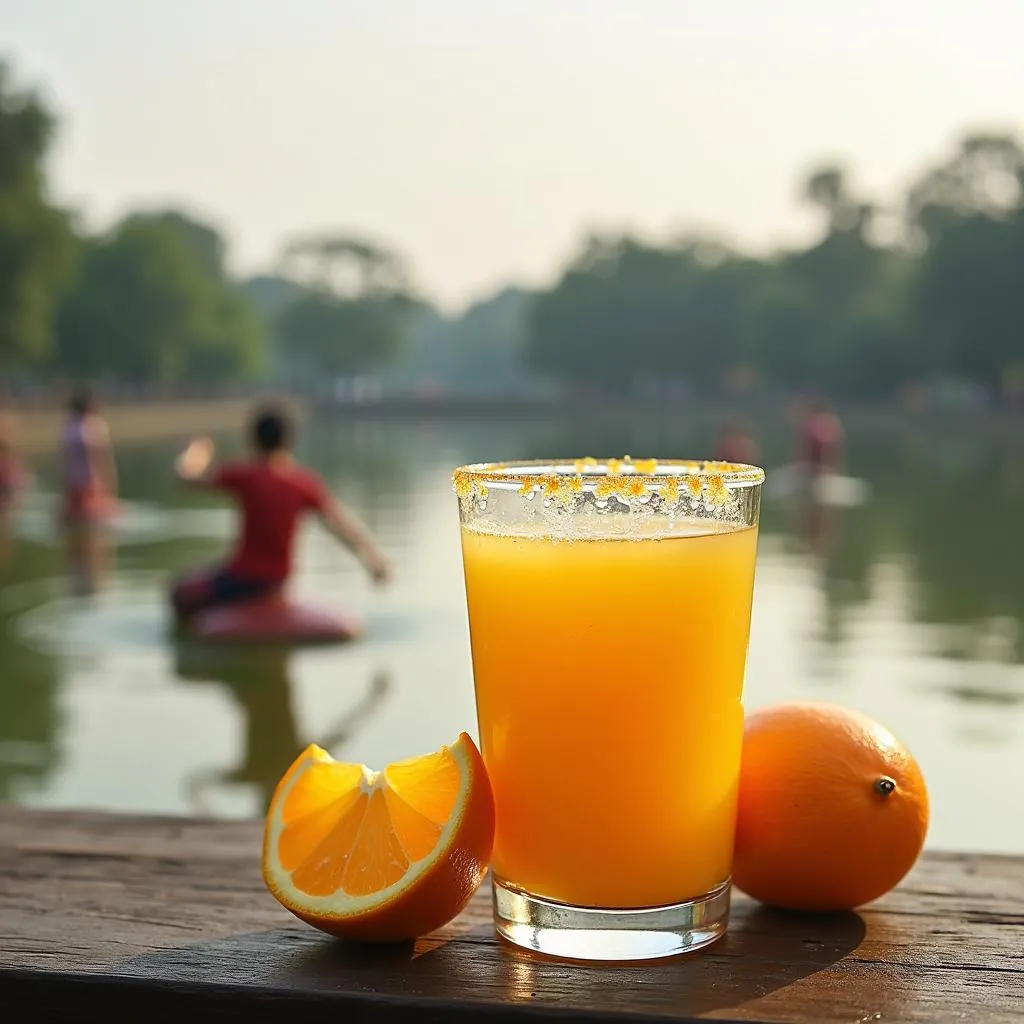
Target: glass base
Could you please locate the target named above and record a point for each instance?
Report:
(589, 933)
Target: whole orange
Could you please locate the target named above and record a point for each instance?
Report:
(833, 809)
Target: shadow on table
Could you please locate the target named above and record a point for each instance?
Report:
(464, 967)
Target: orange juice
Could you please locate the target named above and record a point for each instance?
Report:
(609, 675)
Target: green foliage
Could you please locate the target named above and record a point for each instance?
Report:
(480, 351)
(349, 310)
(984, 177)
(782, 324)
(36, 244)
(151, 303)
(846, 315)
(625, 312)
(970, 296)
(345, 265)
(969, 214)
(205, 242)
(333, 337)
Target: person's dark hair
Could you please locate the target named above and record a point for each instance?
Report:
(271, 430)
(81, 402)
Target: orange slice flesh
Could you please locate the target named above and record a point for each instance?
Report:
(383, 855)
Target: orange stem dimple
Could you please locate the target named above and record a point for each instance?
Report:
(885, 785)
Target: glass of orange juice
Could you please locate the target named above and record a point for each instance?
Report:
(609, 610)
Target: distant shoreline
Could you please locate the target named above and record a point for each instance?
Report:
(455, 407)
(37, 430)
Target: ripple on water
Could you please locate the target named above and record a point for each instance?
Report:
(127, 618)
(137, 522)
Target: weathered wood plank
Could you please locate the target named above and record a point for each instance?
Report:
(164, 918)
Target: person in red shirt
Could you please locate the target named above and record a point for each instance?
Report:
(273, 493)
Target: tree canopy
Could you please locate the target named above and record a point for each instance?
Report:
(36, 243)
(890, 293)
(848, 315)
(350, 307)
(151, 302)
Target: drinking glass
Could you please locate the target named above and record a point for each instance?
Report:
(609, 611)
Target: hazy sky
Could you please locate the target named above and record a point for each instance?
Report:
(482, 137)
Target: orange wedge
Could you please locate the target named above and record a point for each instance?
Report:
(380, 856)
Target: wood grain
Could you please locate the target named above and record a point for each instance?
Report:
(167, 919)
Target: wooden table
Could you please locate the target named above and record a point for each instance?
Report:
(167, 919)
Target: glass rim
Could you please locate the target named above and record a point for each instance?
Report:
(648, 471)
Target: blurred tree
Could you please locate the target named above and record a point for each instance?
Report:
(835, 316)
(576, 328)
(482, 350)
(335, 336)
(205, 242)
(828, 188)
(968, 215)
(969, 298)
(712, 342)
(840, 268)
(344, 265)
(832, 317)
(151, 303)
(624, 312)
(984, 177)
(36, 243)
(349, 312)
(782, 325)
(270, 294)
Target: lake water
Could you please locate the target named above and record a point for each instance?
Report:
(909, 607)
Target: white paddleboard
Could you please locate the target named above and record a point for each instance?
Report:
(831, 489)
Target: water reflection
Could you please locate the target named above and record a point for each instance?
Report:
(957, 520)
(7, 527)
(30, 719)
(836, 540)
(259, 683)
(908, 605)
(374, 470)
